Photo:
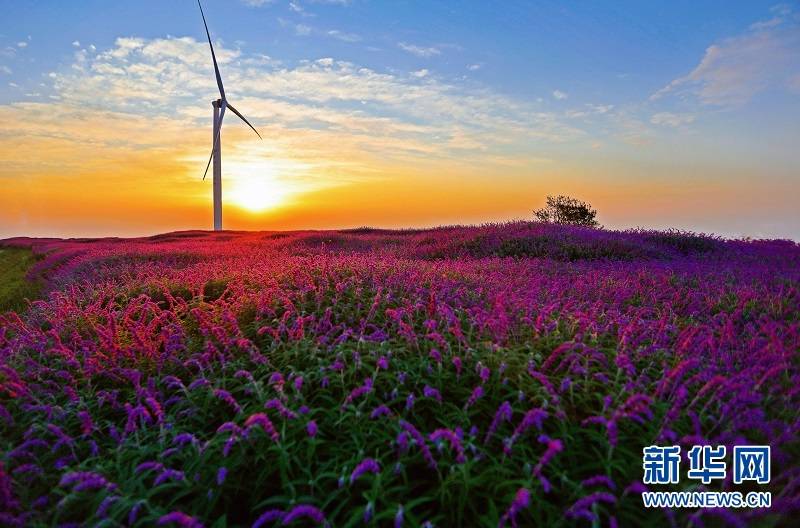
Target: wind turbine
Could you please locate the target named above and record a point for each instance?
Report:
(216, 149)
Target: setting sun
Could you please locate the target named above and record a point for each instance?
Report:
(256, 195)
(256, 184)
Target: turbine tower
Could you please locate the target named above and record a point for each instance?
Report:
(220, 105)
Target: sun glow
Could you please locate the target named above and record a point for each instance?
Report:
(257, 195)
(255, 186)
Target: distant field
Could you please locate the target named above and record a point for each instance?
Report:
(467, 376)
(14, 287)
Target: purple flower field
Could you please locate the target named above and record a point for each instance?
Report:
(502, 375)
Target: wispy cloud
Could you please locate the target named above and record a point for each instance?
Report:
(670, 119)
(305, 30)
(343, 36)
(419, 51)
(558, 94)
(302, 30)
(322, 111)
(733, 70)
(299, 9)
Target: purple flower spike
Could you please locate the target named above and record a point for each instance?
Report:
(261, 419)
(85, 481)
(150, 465)
(179, 519)
(184, 438)
(599, 480)
(522, 500)
(359, 391)
(402, 442)
(304, 511)
(268, 517)
(477, 393)
(379, 411)
(102, 510)
(453, 440)
(168, 474)
(430, 392)
(134, 513)
(278, 405)
(458, 365)
(226, 397)
(503, 414)
(398, 517)
(368, 465)
(582, 507)
(420, 441)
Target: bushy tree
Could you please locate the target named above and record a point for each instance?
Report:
(567, 210)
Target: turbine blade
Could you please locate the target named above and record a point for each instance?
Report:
(213, 56)
(216, 141)
(235, 111)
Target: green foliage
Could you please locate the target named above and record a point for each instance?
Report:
(263, 474)
(686, 243)
(565, 210)
(15, 288)
(130, 356)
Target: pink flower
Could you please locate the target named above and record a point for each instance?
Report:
(457, 364)
(262, 420)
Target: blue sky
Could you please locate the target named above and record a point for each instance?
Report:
(597, 50)
(703, 96)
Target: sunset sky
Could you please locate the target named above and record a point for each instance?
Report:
(684, 114)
